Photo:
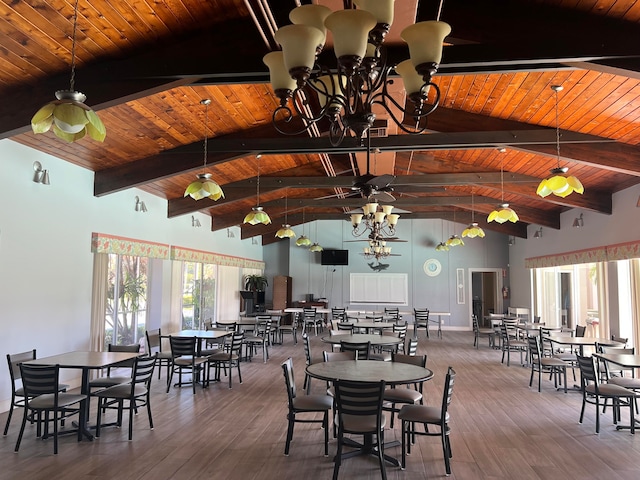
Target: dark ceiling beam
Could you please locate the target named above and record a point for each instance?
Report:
(282, 145)
(294, 203)
(614, 156)
(245, 189)
(171, 162)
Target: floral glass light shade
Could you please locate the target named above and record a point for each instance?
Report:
(285, 232)
(559, 184)
(204, 187)
(473, 231)
(442, 247)
(502, 214)
(257, 215)
(69, 118)
(303, 241)
(455, 241)
(315, 248)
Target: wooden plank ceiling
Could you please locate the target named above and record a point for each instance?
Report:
(145, 65)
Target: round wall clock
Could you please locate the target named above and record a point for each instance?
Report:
(432, 267)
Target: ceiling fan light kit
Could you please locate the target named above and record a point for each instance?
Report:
(559, 184)
(68, 116)
(359, 80)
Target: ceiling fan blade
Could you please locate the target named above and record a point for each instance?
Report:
(381, 180)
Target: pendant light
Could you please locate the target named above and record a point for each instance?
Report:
(316, 246)
(204, 187)
(68, 116)
(303, 241)
(285, 231)
(442, 246)
(473, 230)
(503, 213)
(559, 184)
(454, 240)
(257, 213)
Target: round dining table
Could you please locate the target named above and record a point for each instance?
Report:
(393, 373)
(372, 338)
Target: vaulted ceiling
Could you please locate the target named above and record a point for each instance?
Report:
(145, 65)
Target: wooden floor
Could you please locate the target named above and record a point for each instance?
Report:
(501, 428)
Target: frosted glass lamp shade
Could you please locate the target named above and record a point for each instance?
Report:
(387, 209)
(392, 219)
(412, 80)
(329, 84)
(356, 218)
(311, 16)
(425, 41)
(350, 29)
(299, 44)
(382, 10)
(279, 75)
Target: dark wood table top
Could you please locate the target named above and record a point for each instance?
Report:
(361, 338)
(84, 359)
(393, 373)
(621, 359)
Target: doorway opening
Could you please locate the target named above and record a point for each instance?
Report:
(486, 285)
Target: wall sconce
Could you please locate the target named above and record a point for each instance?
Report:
(254, 241)
(538, 233)
(195, 222)
(140, 206)
(230, 234)
(512, 241)
(578, 222)
(41, 175)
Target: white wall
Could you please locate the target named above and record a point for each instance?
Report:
(436, 293)
(45, 250)
(599, 230)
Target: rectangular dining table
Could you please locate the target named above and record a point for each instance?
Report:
(85, 361)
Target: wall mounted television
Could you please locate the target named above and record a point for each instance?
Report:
(334, 257)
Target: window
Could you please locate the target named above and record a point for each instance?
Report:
(198, 294)
(126, 314)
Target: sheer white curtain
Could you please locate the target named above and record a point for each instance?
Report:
(228, 296)
(175, 317)
(603, 330)
(99, 300)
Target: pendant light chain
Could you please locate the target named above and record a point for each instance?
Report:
(206, 103)
(557, 129)
(73, 48)
(258, 185)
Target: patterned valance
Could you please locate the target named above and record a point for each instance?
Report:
(200, 256)
(101, 243)
(621, 251)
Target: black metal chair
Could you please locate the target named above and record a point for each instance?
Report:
(42, 396)
(154, 345)
(186, 360)
(404, 396)
(136, 393)
(17, 393)
(359, 412)
(302, 405)
(228, 358)
(541, 364)
(111, 380)
(595, 392)
(437, 416)
(362, 349)
(421, 320)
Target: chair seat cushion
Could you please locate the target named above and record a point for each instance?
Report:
(486, 331)
(47, 401)
(552, 362)
(361, 423)
(402, 395)
(223, 357)
(421, 414)
(567, 357)
(610, 390)
(122, 391)
(187, 360)
(381, 357)
(626, 382)
(108, 381)
(164, 356)
(312, 403)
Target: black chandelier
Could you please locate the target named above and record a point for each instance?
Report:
(348, 91)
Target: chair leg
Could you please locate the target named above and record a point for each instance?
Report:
(291, 418)
(11, 407)
(445, 451)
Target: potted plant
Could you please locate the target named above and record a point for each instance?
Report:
(255, 283)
